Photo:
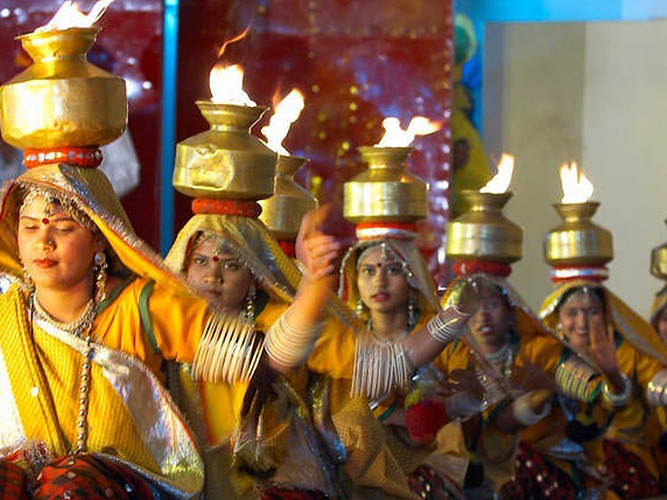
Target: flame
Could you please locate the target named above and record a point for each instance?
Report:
(287, 112)
(501, 181)
(69, 16)
(226, 84)
(237, 38)
(395, 136)
(576, 186)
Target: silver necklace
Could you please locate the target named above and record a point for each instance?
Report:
(402, 335)
(77, 328)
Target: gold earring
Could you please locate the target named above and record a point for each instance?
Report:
(100, 267)
(360, 308)
(412, 313)
(250, 302)
(28, 283)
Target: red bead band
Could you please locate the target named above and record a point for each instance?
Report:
(240, 208)
(466, 267)
(87, 157)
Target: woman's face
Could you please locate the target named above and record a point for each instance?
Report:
(56, 250)
(662, 324)
(218, 276)
(381, 281)
(490, 324)
(576, 315)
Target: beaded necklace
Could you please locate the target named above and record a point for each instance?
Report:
(80, 328)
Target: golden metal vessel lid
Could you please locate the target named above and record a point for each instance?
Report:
(483, 233)
(31, 112)
(386, 192)
(578, 241)
(659, 261)
(283, 212)
(226, 161)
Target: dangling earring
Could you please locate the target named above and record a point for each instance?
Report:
(412, 313)
(100, 267)
(360, 308)
(28, 283)
(250, 302)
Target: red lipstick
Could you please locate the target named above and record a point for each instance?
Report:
(44, 263)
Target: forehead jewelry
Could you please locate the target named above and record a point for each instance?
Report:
(384, 251)
(387, 257)
(51, 199)
(217, 251)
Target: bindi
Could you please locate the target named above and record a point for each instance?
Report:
(45, 221)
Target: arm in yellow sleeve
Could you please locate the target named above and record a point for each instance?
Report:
(649, 374)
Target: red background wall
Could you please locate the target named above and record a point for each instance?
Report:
(356, 61)
(129, 45)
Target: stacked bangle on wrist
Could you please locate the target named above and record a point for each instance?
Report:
(287, 345)
(447, 325)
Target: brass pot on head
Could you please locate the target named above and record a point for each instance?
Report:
(225, 161)
(283, 212)
(483, 232)
(578, 241)
(659, 261)
(31, 111)
(386, 192)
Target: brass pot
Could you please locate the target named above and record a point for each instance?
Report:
(61, 99)
(483, 232)
(226, 161)
(386, 192)
(578, 241)
(659, 261)
(283, 212)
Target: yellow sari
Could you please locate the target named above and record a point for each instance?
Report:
(531, 345)
(447, 455)
(215, 409)
(131, 417)
(641, 355)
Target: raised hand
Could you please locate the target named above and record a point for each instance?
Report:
(466, 294)
(602, 346)
(603, 353)
(318, 252)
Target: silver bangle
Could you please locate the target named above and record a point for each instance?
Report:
(447, 325)
(656, 392)
(523, 412)
(618, 399)
(287, 345)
